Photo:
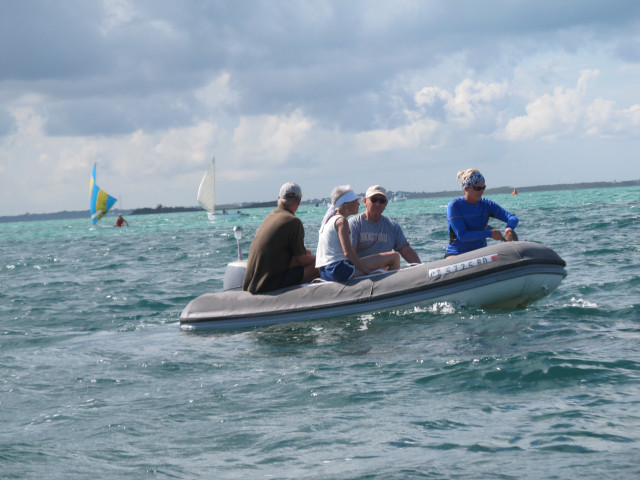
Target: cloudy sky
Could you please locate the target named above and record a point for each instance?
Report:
(401, 93)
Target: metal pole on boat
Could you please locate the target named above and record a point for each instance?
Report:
(237, 232)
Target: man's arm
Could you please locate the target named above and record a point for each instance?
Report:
(409, 254)
(308, 262)
(303, 260)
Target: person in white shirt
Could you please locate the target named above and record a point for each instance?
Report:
(335, 257)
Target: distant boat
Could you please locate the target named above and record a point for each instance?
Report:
(515, 192)
(99, 201)
(207, 193)
(400, 197)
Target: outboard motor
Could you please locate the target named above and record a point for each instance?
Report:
(234, 274)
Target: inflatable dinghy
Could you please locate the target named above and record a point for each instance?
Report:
(505, 275)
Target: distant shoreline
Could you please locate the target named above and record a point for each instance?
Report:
(32, 217)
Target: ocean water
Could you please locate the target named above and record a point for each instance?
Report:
(98, 381)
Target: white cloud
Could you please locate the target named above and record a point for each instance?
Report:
(28, 123)
(569, 112)
(466, 102)
(409, 136)
(429, 95)
(631, 116)
(470, 97)
(116, 13)
(187, 146)
(438, 110)
(217, 93)
(263, 140)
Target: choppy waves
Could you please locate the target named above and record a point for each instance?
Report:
(97, 380)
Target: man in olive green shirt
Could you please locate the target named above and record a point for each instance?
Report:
(278, 257)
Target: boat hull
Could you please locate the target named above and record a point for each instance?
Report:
(506, 275)
(213, 216)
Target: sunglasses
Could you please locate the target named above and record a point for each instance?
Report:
(382, 201)
(479, 189)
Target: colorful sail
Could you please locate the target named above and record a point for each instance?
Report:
(100, 201)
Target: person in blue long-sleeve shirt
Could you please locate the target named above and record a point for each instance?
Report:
(468, 216)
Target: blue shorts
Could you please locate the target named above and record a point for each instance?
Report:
(337, 271)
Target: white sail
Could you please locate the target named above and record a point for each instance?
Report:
(206, 191)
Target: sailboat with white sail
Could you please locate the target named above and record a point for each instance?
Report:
(207, 193)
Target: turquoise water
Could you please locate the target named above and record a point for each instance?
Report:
(98, 381)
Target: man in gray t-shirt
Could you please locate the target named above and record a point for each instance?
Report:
(372, 232)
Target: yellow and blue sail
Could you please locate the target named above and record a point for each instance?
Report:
(100, 201)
